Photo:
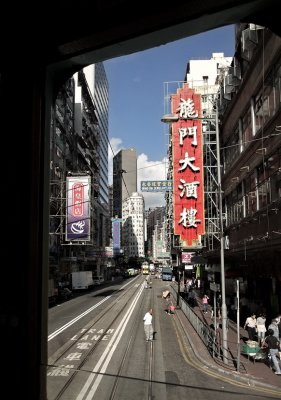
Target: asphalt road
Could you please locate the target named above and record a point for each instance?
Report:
(97, 350)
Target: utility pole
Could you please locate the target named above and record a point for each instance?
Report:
(238, 325)
(223, 307)
(179, 278)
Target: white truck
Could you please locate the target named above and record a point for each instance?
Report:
(82, 280)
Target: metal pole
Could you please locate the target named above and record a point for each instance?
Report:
(238, 326)
(178, 294)
(179, 277)
(223, 307)
(215, 312)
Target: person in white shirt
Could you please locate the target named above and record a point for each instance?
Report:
(274, 327)
(250, 326)
(261, 329)
(148, 327)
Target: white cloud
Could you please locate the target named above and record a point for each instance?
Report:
(151, 170)
(147, 171)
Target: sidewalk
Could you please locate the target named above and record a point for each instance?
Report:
(253, 372)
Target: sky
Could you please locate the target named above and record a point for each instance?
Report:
(138, 85)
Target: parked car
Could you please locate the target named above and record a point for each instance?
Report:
(98, 280)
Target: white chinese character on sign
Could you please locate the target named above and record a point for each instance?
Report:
(188, 188)
(191, 131)
(187, 162)
(188, 219)
(183, 134)
(186, 109)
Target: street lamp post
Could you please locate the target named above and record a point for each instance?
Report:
(223, 307)
(179, 278)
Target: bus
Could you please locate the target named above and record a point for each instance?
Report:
(167, 273)
(145, 268)
(132, 272)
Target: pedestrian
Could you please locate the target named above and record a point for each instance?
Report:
(148, 327)
(261, 329)
(279, 328)
(250, 326)
(274, 327)
(273, 345)
(279, 324)
(218, 305)
(205, 302)
(171, 309)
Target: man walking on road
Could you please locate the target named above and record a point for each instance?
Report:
(148, 327)
(273, 344)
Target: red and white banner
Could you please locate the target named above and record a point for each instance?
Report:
(187, 142)
(78, 192)
(186, 258)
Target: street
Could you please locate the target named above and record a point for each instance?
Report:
(97, 350)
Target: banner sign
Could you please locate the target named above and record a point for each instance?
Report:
(187, 142)
(78, 208)
(186, 258)
(156, 186)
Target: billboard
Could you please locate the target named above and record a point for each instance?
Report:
(188, 186)
(186, 258)
(156, 186)
(78, 208)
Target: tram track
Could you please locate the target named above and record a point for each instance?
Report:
(128, 350)
(115, 311)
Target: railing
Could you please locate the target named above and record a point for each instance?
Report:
(211, 337)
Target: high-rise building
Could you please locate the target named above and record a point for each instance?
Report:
(124, 178)
(98, 84)
(156, 233)
(133, 225)
(79, 143)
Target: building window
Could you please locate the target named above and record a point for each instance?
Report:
(265, 103)
(247, 131)
(231, 150)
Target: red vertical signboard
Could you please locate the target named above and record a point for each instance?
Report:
(187, 142)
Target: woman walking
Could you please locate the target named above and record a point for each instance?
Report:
(205, 302)
(261, 329)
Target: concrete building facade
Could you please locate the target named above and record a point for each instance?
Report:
(124, 178)
(133, 225)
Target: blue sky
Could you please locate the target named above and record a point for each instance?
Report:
(137, 85)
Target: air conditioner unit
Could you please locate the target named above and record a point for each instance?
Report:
(236, 73)
(255, 27)
(227, 96)
(228, 80)
(229, 89)
(227, 86)
(249, 39)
